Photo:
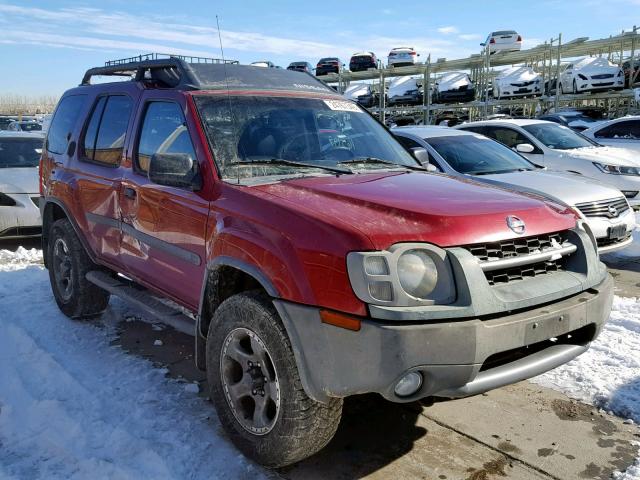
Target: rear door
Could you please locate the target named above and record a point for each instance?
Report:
(99, 172)
(163, 228)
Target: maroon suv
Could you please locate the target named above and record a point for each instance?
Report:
(311, 256)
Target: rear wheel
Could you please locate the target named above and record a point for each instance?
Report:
(68, 265)
(255, 385)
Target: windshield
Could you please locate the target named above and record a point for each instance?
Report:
(558, 137)
(478, 156)
(326, 133)
(20, 152)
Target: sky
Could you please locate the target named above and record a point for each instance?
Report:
(45, 46)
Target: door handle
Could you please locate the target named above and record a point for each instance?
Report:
(129, 192)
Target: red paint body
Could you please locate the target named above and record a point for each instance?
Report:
(296, 232)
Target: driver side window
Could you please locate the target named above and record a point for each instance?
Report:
(164, 130)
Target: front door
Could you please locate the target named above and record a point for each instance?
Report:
(163, 228)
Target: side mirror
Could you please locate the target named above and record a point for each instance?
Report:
(422, 156)
(175, 170)
(524, 148)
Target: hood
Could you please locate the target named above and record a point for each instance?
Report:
(453, 81)
(598, 64)
(19, 180)
(611, 155)
(518, 74)
(392, 207)
(566, 187)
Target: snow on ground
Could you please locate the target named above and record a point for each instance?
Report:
(73, 407)
(608, 374)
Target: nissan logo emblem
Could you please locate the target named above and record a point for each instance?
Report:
(515, 224)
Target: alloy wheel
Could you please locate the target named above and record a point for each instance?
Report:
(63, 269)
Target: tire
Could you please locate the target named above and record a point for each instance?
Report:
(560, 89)
(575, 87)
(293, 426)
(68, 264)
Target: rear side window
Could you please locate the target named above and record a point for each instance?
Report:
(164, 130)
(506, 136)
(63, 123)
(105, 135)
(629, 130)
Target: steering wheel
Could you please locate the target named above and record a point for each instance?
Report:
(295, 149)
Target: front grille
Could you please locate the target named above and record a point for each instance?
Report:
(611, 208)
(606, 242)
(523, 84)
(603, 75)
(520, 247)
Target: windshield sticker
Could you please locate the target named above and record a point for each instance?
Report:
(342, 106)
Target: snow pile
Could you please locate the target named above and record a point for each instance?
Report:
(608, 374)
(13, 260)
(72, 406)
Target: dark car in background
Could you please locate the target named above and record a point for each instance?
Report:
(300, 67)
(24, 126)
(328, 65)
(363, 61)
(5, 122)
(577, 119)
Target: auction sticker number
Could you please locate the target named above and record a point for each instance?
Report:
(341, 105)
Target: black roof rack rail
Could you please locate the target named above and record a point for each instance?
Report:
(201, 73)
(173, 70)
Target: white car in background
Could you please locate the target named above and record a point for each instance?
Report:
(354, 90)
(503, 41)
(402, 57)
(622, 132)
(589, 74)
(454, 87)
(405, 91)
(19, 189)
(517, 82)
(263, 64)
(459, 153)
(560, 148)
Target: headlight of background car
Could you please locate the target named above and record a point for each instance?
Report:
(409, 274)
(617, 169)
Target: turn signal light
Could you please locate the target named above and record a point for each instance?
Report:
(340, 320)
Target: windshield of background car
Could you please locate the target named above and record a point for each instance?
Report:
(323, 132)
(558, 137)
(20, 152)
(478, 156)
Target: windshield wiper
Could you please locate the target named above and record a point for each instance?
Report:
(291, 163)
(380, 160)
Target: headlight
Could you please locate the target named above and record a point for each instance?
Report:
(6, 201)
(617, 169)
(409, 274)
(417, 273)
(582, 76)
(620, 73)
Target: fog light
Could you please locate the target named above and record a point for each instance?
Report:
(409, 384)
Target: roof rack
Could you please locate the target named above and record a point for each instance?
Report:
(172, 70)
(201, 73)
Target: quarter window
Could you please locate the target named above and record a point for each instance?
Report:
(105, 136)
(164, 130)
(63, 123)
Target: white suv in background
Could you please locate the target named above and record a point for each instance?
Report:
(402, 56)
(469, 154)
(591, 73)
(560, 148)
(622, 132)
(503, 41)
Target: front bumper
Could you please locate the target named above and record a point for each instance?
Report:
(456, 358)
(599, 84)
(600, 228)
(453, 96)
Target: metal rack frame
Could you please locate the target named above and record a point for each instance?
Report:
(545, 58)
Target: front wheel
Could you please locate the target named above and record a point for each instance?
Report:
(575, 87)
(255, 385)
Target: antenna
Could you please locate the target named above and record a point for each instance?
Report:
(226, 81)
